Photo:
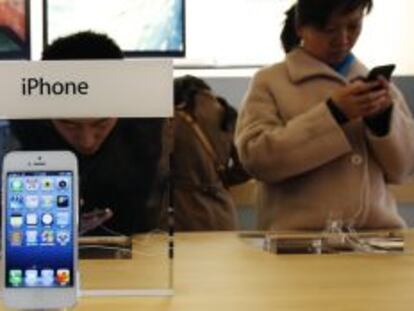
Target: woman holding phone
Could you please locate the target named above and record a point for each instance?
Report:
(324, 142)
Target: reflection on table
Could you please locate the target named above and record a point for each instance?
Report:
(221, 271)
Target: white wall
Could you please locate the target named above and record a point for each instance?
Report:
(229, 25)
(36, 27)
(387, 38)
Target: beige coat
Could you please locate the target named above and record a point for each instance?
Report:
(312, 168)
(201, 200)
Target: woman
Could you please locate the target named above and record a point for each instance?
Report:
(204, 162)
(323, 141)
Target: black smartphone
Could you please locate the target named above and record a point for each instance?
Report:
(384, 70)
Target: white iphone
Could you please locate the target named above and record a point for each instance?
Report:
(40, 229)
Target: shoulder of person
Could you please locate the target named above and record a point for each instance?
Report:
(140, 124)
(271, 72)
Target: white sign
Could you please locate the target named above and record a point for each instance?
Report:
(86, 89)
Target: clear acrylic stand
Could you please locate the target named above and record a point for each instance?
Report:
(146, 271)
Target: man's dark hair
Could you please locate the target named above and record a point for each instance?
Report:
(315, 13)
(83, 45)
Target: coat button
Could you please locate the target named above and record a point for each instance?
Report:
(356, 159)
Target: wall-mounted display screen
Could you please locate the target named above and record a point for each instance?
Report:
(140, 27)
(14, 29)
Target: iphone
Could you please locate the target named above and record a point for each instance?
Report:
(40, 229)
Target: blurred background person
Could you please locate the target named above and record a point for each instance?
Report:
(204, 161)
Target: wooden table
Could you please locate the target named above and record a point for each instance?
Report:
(220, 271)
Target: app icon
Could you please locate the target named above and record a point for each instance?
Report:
(31, 201)
(47, 184)
(47, 219)
(31, 237)
(63, 237)
(30, 277)
(16, 238)
(16, 201)
(62, 218)
(62, 183)
(16, 185)
(47, 236)
(62, 201)
(16, 277)
(31, 219)
(16, 220)
(31, 183)
(63, 276)
(47, 277)
(46, 201)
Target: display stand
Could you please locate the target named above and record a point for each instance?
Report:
(148, 268)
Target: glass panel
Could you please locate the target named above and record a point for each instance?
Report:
(125, 245)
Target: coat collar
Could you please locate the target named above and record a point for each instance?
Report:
(302, 66)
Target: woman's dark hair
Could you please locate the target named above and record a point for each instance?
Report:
(185, 90)
(315, 13)
(83, 45)
(230, 115)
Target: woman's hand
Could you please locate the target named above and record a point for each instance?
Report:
(362, 99)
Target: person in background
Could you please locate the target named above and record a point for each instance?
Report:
(323, 141)
(204, 162)
(118, 158)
